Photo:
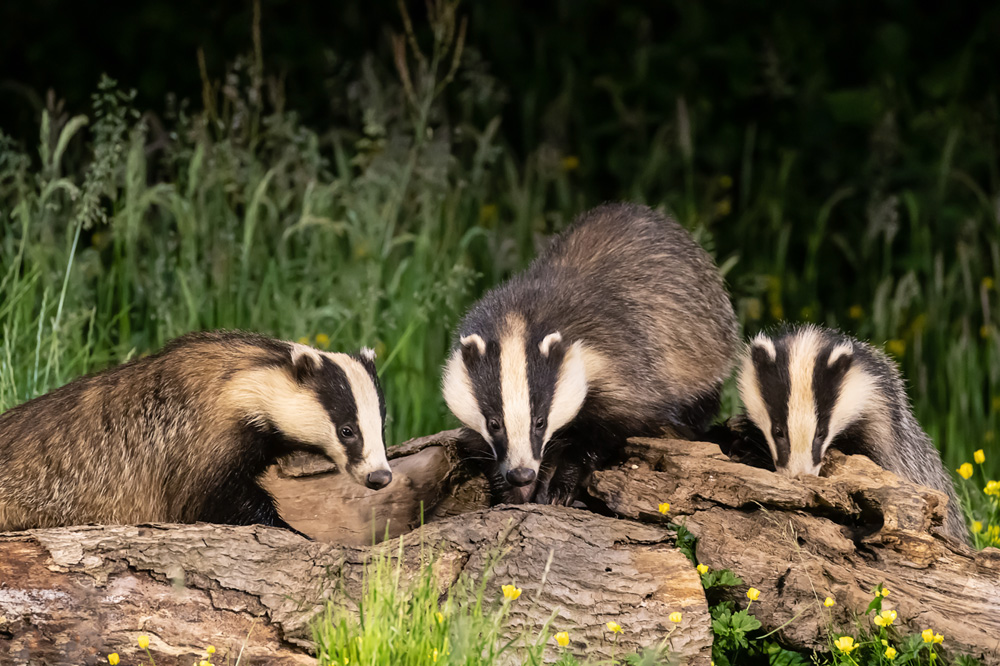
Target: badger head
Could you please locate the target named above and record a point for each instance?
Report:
(325, 402)
(802, 389)
(516, 389)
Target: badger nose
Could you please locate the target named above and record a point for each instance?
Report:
(379, 479)
(521, 476)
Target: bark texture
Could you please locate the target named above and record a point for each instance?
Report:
(71, 595)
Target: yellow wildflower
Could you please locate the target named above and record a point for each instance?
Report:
(702, 569)
(143, 642)
(204, 662)
(987, 283)
(487, 213)
(927, 635)
(434, 655)
(664, 507)
(323, 340)
(675, 617)
(977, 527)
(614, 627)
(995, 404)
(992, 488)
(985, 331)
(829, 602)
(753, 594)
(885, 591)
(856, 312)
(754, 308)
(885, 642)
(885, 618)
(965, 470)
(562, 638)
(210, 649)
(303, 340)
(938, 638)
(896, 347)
(979, 457)
(725, 181)
(511, 592)
(845, 644)
(890, 653)
(570, 163)
(989, 435)
(440, 617)
(724, 207)
(113, 659)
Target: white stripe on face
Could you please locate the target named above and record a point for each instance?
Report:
(570, 390)
(516, 394)
(802, 418)
(369, 413)
(456, 385)
(753, 401)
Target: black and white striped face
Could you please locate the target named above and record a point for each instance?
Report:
(328, 402)
(516, 388)
(802, 389)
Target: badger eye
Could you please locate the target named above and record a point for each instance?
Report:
(494, 425)
(347, 432)
(777, 432)
(540, 423)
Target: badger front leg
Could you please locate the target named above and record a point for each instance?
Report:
(244, 503)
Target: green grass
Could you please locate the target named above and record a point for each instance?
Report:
(118, 235)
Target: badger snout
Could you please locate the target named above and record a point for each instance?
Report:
(378, 479)
(520, 476)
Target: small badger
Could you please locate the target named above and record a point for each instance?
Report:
(622, 327)
(185, 435)
(807, 388)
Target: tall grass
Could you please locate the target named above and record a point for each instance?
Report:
(121, 231)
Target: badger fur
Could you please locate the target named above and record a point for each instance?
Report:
(621, 327)
(809, 388)
(185, 435)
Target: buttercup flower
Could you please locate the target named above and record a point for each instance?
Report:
(829, 602)
(938, 638)
(675, 617)
(664, 507)
(979, 457)
(562, 638)
(885, 591)
(511, 592)
(570, 163)
(322, 339)
(702, 569)
(845, 644)
(977, 526)
(614, 627)
(885, 618)
(753, 594)
(890, 653)
(210, 649)
(927, 635)
(440, 618)
(965, 470)
(143, 641)
(113, 659)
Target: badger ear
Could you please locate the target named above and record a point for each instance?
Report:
(841, 358)
(548, 342)
(305, 362)
(368, 354)
(762, 350)
(472, 344)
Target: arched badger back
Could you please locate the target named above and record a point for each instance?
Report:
(621, 327)
(809, 388)
(185, 434)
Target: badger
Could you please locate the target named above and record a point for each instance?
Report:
(621, 327)
(186, 434)
(808, 388)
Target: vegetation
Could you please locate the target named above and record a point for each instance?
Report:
(873, 206)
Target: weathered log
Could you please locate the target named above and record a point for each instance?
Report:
(797, 540)
(800, 540)
(73, 595)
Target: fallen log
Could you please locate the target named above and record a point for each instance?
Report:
(81, 591)
(73, 595)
